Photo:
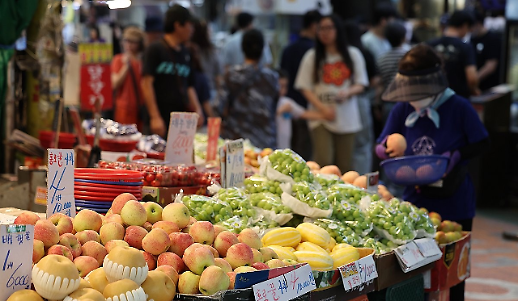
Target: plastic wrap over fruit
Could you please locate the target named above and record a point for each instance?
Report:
(204, 208)
(307, 199)
(236, 224)
(422, 222)
(286, 166)
(263, 225)
(112, 130)
(349, 193)
(238, 201)
(151, 144)
(271, 207)
(339, 231)
(391, 223)
(258, 184)
(328, 180)
(378, 246)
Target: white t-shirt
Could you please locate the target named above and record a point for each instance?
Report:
(284, 121)
(334, 77)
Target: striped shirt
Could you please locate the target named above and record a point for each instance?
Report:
(388, 64)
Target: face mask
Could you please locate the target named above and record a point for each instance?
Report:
(423, 103)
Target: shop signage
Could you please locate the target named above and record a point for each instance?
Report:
(60, 182)
(287, 286)
(16, 243)
(179, 147)
(95, 75)
(213, 127)
(358, 272)
(417, 253)
(234, 164)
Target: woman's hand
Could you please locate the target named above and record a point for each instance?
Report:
(157, 126)
(329, 114)
(342, 96)
(394, 152)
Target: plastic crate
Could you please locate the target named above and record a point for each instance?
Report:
(409, 290)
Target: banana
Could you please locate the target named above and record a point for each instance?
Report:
(315, 234)
(285, 237)
(317, 261)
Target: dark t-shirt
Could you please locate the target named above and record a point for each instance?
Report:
(290, 61)
(202, 88)
(172, 73)
(457, 56)
(488, 47)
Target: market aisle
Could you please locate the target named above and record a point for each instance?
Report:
(494, 262)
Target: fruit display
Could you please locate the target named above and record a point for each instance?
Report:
(311, 194)
(289, 163)
(447, 231)
(256, 184)
(346, 192)
(270, 206)
(207, 209)
(379, 246)
(391, 223)
(238, 201)
(339, 231)
(252, 156)
(327, 180)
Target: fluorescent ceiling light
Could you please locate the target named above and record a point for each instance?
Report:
(116, 4)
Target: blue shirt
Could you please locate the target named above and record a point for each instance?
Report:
(290, 62)
(459, 126)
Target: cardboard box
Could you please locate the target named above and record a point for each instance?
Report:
(390, 273)
(166, 195)
(453, 267)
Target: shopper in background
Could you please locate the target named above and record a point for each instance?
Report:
(168, 80)
(374, 40)
(208, 56)
(232, 53)
(126, 75)
(94, 35)
(435, 120)
(290, 62)
(388, 63)
(249, 96)
(201, 82)
(364, 139)
(459, 57)
(488, 49)
(330, 77)
(154, 29)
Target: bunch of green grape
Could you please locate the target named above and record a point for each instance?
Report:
(236, 224)
(264, 225)
(327, 181)
(204, 208)
(237, 200)
(378, 246)
(291, 164)
(257, 184)
(391, 219)
(269, 201)
(295, 221)
(311, 195)
(353, 216)
(340, 232)
(346, 192)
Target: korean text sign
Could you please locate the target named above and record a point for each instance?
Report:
(235, 164)
(15, 258)
(287, 286)
(179, 147)
(358, 272)
(96, 75)
(60, 182)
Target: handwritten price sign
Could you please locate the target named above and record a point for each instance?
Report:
(15, 258)
(179, 147)
(358, 272)
(287, 286)
(213, 127)
(235, 164)
(60, 182)
(418, 253)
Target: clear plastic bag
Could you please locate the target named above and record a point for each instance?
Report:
(307, 199)
(349, 193)
(286, 166)
(339, 231)
(236, 224)
(238, 201)
(391, 223)
(259, 184)
(204, 208)
(328, 180)
(351, 214)
(422, 222)
(270, 206)
(378, 246)
(151, 144)
(112, 130)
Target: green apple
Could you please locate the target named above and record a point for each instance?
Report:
(153, 211)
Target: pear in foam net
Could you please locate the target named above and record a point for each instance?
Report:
(125, 263)
(54, 277)
(85, 294)
(97, 279)
(124, 289)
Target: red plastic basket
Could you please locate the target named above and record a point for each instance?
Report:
(66, 140)
(114, 145)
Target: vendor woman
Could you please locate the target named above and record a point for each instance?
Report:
(434, 120)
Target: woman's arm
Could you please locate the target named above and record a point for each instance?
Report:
(118, 78)
(327, 112)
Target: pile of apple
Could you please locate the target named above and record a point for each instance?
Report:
(252, 157)
(169, 239)
(447, 231)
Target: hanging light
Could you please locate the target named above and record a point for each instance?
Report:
(116, 4)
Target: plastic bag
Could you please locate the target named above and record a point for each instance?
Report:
(151, 144)
(378, 246)
(238, 201)
(205, 208)
(236, 224)
(270, 206)
(257, 184)
(327, 180)
(350, 213)
(349, 193)
(339, 231)
(112, 130)
(286, 166)
(422, 222)
(391, 223)
(307, 199)
(263, 225)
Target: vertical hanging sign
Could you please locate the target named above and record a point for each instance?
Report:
(180, 139)
(60, 182)
(213, 127)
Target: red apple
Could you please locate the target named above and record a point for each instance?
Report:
(45, 231)
(224, 241)
(85, 264)
(38, 250)
(170, 272)
(95, 250)
(120, 201)
(260, 266)
(27, 218)
(87, 220)
(60, 250)
(167, 226)
(179, 242)
(150, 260)
(240, 255)
(156, 242)
(62, 222)
(70, 241)
(87, 235)
(134, 236)
(202, 232)
(115, 243)
(169, 258)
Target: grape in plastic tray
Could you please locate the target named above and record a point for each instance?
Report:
(349, 193)
(345, 211)
(204, 208)
(290, 164)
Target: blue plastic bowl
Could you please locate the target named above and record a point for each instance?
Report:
(415, 170)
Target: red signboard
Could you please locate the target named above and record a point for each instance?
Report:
(96, 83)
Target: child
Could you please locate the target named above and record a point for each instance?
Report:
(287, 108)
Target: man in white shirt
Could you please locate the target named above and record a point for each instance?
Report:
(374, 40)
(232, 53)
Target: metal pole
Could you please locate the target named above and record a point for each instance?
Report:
(10, 100)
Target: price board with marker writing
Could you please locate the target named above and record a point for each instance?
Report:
(15, 258)
(180, 139)
(60, 182)
(418, 253)
(287, 286)
(234, 164)
(358, 273)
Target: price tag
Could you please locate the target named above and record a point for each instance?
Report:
(367, 269)
(179, 147)
(428, 247)
(60, 182)
(213, 127)
(287, 286)
(15, 258)
(372, 181)
(235, 164)
(40, 197)
(350, 276)
(409, 254)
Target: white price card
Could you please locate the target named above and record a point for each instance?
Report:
(367, 269)
(180, 139)
(428, 247)
(235, 164)
(60, 182)
(287, 286)
(358, 272)
(409, 254)
(15, 258)
(372, 181)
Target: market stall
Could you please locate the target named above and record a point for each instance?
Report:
(250, 224)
